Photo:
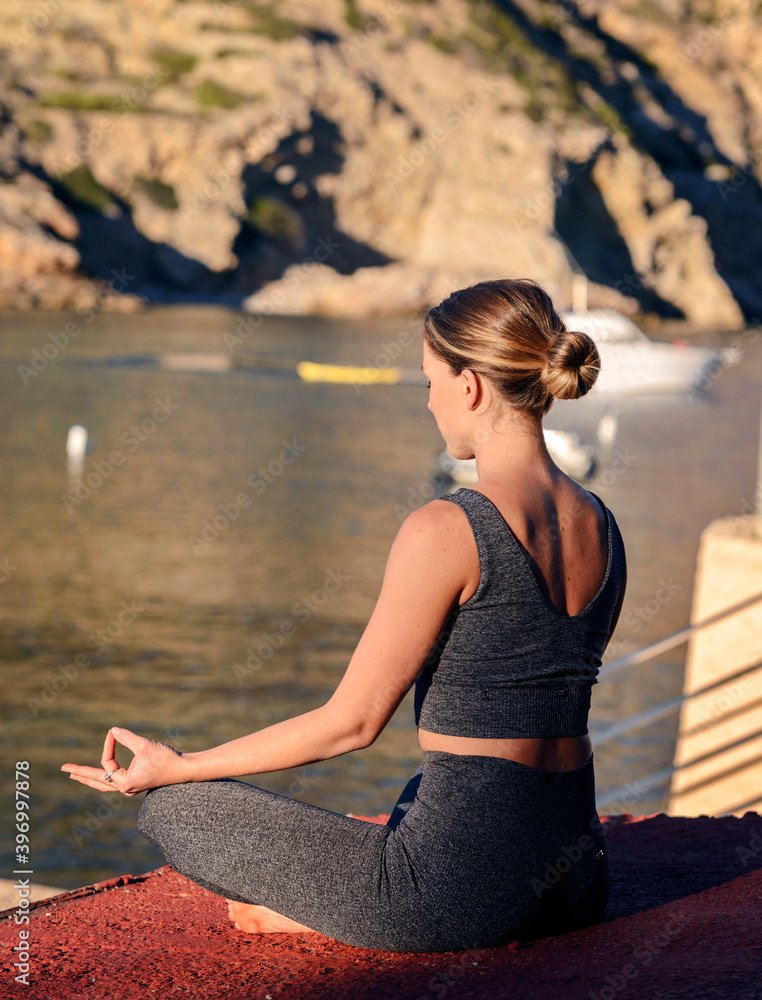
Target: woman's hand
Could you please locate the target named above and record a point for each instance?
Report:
(153, 765)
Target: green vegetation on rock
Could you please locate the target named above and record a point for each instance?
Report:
(161, 194)
(214, 95)
(223, 53)
(77, 100)
(354, 17)
(72, 75)
(611, 118)
(504, 47)
(272, 25)
(446, 45)
(83, 188)
(277, 221)
(173, 63)
(38, 131)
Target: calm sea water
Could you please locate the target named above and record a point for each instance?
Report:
(236, 506)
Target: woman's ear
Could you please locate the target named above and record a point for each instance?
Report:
(473, 388)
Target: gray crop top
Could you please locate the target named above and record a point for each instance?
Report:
(508, 665)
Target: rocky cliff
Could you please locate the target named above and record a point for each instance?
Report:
(353, 157)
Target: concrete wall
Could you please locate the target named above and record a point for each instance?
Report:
(729, 569)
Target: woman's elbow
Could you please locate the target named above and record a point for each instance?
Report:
(356, 730)
(369, 737)
(365, 733)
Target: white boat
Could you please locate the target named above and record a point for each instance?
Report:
(633, 364)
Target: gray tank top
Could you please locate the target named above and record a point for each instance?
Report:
(508, 665)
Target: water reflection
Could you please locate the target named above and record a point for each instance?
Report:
(214, 572)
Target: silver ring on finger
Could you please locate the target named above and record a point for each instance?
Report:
(108, 777)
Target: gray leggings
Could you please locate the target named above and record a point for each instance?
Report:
(479, 851)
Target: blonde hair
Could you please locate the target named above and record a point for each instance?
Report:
(508, 331)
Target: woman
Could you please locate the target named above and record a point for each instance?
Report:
(497, 603)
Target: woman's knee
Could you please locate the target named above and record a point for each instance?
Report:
(157, 810)
(172, 811)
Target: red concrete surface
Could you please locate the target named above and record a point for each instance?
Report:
(684, 921)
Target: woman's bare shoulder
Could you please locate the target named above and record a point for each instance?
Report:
(436, 516)
(438, 526)
(435, 541)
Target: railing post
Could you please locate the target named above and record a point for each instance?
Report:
(728, 705)
(758, 491)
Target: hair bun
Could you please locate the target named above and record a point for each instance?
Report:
(572, 365)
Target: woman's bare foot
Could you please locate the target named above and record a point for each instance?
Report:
(261, 920)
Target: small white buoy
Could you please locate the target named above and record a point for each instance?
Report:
(76, 448)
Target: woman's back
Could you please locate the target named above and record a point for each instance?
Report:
(512, 673)
(562, 530)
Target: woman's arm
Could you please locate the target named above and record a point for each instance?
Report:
(429, 566)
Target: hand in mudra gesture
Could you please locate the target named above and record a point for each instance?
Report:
(153, 764)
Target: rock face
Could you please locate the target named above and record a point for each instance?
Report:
(338, 157)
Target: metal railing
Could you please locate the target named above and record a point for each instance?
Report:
(670, 707)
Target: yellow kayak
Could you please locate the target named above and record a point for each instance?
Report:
(311, 371)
